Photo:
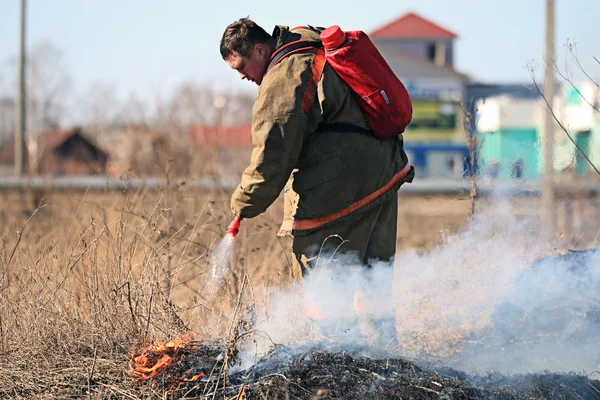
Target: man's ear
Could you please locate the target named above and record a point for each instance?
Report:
(260, 49)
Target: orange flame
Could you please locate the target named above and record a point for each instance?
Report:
(151, 360)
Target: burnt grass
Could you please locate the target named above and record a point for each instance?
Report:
(340, 375)
(365, 373)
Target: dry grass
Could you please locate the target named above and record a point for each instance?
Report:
(85, 275)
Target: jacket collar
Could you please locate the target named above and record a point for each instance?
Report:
(280, 33)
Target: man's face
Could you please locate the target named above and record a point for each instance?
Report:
(252, 68)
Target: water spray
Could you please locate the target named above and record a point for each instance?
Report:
(220, 258)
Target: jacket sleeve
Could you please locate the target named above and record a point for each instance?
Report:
(278, 132)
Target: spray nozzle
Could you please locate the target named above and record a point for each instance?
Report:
(234, 227)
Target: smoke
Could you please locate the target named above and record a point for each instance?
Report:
(478, 302)
(549, 320)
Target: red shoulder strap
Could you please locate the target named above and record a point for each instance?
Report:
(310, 90)
(288, 49)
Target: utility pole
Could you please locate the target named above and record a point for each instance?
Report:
(548, 142)
(21, 104)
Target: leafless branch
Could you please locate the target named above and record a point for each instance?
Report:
(571, 49)
(560, 124)
(570, 81)
(20, 233)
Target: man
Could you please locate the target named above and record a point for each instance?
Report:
(308, 131)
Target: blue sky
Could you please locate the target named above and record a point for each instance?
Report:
(148, 46)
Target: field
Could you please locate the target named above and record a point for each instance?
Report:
(87, 276)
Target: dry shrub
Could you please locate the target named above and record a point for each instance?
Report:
(84, 276)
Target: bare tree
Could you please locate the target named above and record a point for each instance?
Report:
(99, 107)
(193, 103)
(239, 108)
(189, 104)
(48, 86)
(133, 111)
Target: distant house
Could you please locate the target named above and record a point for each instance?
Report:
(415, 35)
(421, 54)
(68, 152)
(143, 150)
(124, 144)
(511, 129)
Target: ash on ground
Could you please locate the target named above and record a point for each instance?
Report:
(326, 372)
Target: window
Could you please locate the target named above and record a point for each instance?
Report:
(431, 51)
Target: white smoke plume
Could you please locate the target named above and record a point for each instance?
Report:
(479, 302)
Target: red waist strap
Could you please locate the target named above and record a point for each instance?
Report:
(305, 224)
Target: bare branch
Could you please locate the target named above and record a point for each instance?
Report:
(20, 233)
(576, 88)
(560, 124)
(571, 49)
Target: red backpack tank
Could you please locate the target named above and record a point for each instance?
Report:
(382, 97)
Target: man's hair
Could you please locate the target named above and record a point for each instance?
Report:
(241, 36)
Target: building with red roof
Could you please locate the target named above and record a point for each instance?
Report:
(412, 26)
(57, 152)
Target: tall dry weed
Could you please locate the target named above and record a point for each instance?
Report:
(85, 275)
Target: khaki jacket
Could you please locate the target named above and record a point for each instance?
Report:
(328, 170)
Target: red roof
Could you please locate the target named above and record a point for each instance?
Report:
(226, 136)
(412, 26)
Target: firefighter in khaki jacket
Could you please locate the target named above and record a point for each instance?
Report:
(308, 131)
